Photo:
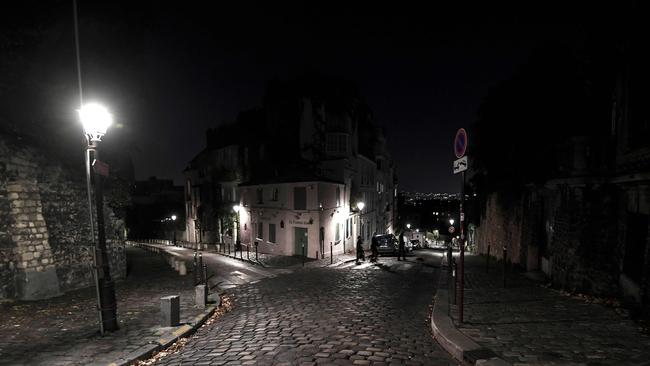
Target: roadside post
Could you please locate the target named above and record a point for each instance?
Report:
(460, 166)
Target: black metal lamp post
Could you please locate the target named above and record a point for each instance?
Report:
(95, 120)
(174, 229)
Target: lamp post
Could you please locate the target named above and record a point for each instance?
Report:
(237, 208)
(174, 229)
(408, 226)
(96, 120)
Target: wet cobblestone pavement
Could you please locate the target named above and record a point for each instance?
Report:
(345, 315)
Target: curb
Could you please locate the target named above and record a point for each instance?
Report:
(173, 335)
(456, 343)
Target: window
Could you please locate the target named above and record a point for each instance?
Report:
(338, 233)
(299, 198)
(274, 196)
(337, 143)
(271, 233)
(338, 196)
(260, 195)
(260, 231)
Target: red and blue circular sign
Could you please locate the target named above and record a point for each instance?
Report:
(460, 143)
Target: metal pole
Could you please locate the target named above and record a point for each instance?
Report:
(95, 266)
(196, 268)
(462, 248)
(505, 263)
(205, 274)
(248, 252)
(303, 255)
(331, 255)
(256, 251)
(109, 310)
(201, 266)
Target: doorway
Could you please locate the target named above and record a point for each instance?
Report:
(300, 240)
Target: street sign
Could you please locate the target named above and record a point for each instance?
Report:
(460, 165)
(451, 230)
(460, 143)
(100, 168)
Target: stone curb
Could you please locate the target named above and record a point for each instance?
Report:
(453, 340)
(171, 336)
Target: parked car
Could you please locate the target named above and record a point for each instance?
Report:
(416, 244)
(386, 244)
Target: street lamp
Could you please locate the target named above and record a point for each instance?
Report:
(174, 228)
(237, 209)
(95, 120)
(361, 205)
(451, 222)
(408, 226)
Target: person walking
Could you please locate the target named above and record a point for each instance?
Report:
(401, 247)
(374, 247)
(360, 254)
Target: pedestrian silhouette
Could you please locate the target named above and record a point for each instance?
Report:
(360, 255)
(401, 248)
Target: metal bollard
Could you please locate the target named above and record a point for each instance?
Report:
(248, 252)
(205, 274)
(256, 251)
(241, 252)
(196, 268)
(201, 279)
(331, 256)
(303, 255)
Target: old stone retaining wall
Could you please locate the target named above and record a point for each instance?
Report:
(45, 242)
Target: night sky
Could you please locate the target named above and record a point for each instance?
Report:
(170, 70)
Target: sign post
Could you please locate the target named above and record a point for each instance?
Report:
(460, 166)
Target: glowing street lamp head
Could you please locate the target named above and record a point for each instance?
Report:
(361, 205)
(95, 119)
(408, 226)
(236, 208)
(173, 217)
(451, 221)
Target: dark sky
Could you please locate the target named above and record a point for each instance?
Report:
(170, 70)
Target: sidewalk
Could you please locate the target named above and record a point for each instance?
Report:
(65, 330)
(529, 324)
(283, 261)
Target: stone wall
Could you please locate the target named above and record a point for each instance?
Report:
(572, 226)
(45, 242)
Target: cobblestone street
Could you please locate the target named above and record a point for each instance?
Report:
(350, 314)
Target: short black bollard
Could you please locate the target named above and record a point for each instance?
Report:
(196, 268)
(205, 275)
(248, 252)
(256, 251)
(303, 255)
(505, 265)
(201, 266)
(241, 252)
(331, 256)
